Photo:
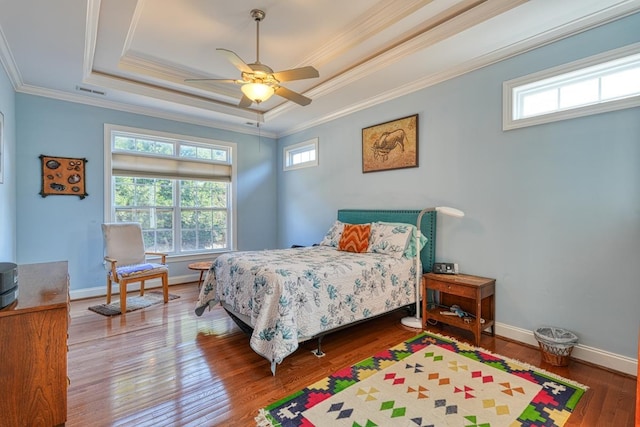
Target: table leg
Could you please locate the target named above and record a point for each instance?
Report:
(200, 280)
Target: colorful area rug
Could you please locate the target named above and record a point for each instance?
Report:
(133, 303)
(430, 380)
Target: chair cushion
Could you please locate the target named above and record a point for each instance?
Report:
(140, 270)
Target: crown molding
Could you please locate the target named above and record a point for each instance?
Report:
(556, 34)
(91, 36)
(145, 111)
(166, 72)
(377, 19)
(427, 38)
(153, 68)
(152, 91)
(611, 14)
(133, 26)
(9, 63)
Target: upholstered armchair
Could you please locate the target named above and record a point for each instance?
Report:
(126, 260)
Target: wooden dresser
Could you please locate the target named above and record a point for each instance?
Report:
(33, 348)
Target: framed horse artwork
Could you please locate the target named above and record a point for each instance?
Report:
(390, 145)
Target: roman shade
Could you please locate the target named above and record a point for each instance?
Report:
(126, 164)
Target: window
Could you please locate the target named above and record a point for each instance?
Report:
(180, 189)
(302, 155)
(604, 82)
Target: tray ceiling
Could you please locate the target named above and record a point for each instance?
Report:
(135, 55)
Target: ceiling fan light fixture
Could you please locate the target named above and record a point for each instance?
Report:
(258, 81)
(257, 92)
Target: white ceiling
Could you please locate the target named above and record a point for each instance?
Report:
(135, 55)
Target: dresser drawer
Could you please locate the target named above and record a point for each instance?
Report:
(458, 289)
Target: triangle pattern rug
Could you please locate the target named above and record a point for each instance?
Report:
(430, 380)
(133, 303)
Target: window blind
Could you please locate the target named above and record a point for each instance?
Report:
(126, 164)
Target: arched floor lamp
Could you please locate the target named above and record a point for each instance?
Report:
(416, 321)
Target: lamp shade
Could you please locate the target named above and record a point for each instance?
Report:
(450, 211)
(257, 92)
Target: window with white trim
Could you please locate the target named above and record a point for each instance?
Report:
(179, 188)
(605, 82)
(301, 155)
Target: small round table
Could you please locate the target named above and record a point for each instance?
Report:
(201, 267)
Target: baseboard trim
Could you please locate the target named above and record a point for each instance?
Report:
(596, 356)
(100, 291)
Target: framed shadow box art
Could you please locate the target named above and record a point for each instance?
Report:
(63, 176)
(390, 145)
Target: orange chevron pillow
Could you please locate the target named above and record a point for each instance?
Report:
(355, 238)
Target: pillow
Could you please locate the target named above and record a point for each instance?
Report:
(355, 238)
(333, 235)
(411, 251)
(390, 238)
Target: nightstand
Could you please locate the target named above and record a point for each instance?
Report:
(475, 295)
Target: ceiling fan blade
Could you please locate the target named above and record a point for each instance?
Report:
(292, 96)
(296, 74)
(245, 102)
(235, 60)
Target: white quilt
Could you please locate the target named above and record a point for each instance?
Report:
(294, 294)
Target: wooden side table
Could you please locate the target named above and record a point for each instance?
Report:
(201, 267)
(475, 295)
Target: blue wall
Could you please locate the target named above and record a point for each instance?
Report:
(67, 228)
(8, 236)
(552, 211)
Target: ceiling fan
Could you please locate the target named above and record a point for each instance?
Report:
(259, 81)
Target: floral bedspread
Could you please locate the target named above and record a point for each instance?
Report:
(294, 294)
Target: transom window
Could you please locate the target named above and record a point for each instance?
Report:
(180, 189)
(600, 83)
(301, 155)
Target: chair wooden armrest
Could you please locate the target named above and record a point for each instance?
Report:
(161, 254)
(113, 263)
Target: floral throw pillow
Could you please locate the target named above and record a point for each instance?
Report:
(355, 238)
(332, 238)
(390, 238)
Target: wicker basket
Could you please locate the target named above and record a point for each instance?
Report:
(556, 345)
(555, 356)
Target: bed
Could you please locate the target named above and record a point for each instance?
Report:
(283, 297)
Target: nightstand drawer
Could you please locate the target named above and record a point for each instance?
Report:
(451, 288)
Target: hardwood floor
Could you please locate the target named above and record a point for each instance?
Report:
(164, 366)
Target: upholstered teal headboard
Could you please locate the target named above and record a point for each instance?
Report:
(427, 226)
